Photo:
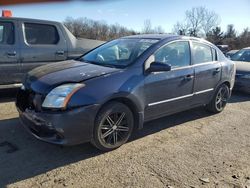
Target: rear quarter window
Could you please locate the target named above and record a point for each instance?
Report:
(214, 52)
(41, 34)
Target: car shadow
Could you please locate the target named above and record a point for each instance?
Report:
(32, 157)
(160, 124)
(23, 157)
(238, 97)
(8, 95)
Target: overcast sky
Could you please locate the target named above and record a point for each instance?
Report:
(132, 13)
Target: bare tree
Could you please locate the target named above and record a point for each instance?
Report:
(199, 21)
(159, 30)
(75, 26)
(88, 28)
(181, 28)
(210, 21)
(147, 27)
(195, 17)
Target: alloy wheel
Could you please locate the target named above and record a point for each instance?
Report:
(221, 98)
(114, 128)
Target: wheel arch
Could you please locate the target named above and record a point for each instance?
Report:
(223, 82)
(132, 105)
(227, 83)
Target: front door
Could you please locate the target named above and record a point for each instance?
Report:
(172, 91)
(9, 54)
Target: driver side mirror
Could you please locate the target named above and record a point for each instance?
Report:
(159, 67)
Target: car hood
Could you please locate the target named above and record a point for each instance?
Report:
(43, 79)
(242, 67)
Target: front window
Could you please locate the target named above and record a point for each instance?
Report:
(7, 35)
(242, 55)
(177, 54)
(118, 53)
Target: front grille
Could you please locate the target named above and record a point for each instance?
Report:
(28, 99)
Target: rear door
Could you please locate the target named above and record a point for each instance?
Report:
(9, 53)
(42, 44)
(207, 71)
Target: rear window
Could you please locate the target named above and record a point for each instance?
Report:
(7, 35)
(40, 34)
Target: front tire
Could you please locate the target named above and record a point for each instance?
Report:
(220, 99)
(113, 127)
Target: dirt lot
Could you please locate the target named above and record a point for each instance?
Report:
(190, 149)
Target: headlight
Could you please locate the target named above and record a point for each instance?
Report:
(60, 96)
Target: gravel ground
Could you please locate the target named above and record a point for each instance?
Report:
(189, 149)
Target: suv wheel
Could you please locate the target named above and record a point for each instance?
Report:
(113, 126)
(219, 100)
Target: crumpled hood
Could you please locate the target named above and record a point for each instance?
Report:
(43, 79)
(242, 66)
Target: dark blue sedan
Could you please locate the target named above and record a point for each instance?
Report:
(112, 90)
(242, 61)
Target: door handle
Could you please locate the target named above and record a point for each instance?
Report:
(60, 52)
(189, 77)
(217, 70)
(11, 54)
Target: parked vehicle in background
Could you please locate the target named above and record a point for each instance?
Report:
(242, 55)
(104, 95)
(230, 53)
(28, 43)
(223, 48)
(242, 80)
(242, 60)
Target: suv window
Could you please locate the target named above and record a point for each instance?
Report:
(40, 34)
(7, 35)
(202, 53)
(177, 54)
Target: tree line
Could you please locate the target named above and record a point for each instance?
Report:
(201, 22)
(198, 22)
(98, 30)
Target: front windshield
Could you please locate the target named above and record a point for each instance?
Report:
(118, 53)
(242, 55)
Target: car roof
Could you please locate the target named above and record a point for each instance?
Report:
(26, 20)
(153, 36)
(167, 37)
(247, 48)
(232, 51)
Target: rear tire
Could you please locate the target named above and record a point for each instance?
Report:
(113, 126)
(220, 98)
